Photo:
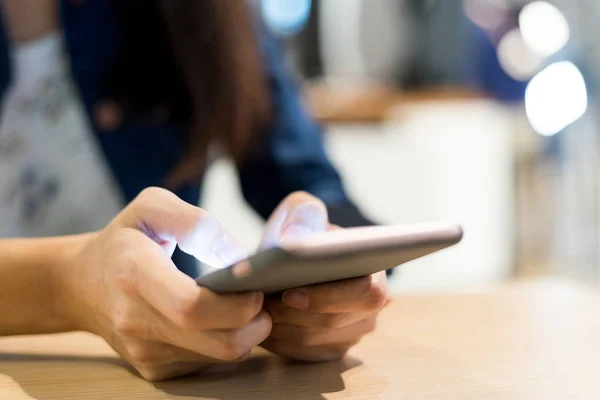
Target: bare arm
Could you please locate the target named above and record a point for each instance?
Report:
(29, 293)
(121, 284)
(31, 296)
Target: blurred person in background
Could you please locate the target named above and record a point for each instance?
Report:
(167, 86)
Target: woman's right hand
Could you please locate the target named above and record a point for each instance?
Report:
(123, 286)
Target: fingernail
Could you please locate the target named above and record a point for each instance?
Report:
(294, 231)
(296, 299)
(241, 270)
(259, 298)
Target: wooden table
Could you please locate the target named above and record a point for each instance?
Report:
(525, 342)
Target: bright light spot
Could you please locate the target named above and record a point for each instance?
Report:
(517, 60)
(487, 14)
(545, 28)
(286, 17)
(555, 98)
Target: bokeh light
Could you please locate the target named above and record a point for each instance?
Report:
(286, 17)
(555, 98)
(515, 57)
(544, 27)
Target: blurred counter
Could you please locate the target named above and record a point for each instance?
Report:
(371, 104)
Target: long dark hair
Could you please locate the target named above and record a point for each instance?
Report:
(195, 63)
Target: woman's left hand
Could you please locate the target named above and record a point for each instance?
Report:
(320, 322)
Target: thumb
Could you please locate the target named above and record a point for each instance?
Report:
(300, 214)
(170, 222)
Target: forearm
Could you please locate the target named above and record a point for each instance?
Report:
(32, 295)
(29, 20)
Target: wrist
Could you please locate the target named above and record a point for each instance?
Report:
(65, 285)
(34, 289)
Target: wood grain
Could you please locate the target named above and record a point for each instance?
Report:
(524, 342)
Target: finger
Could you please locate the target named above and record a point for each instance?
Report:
(157, 360)
(354, 295)
(226, 345)
(282, 314)
(298, 215)
(187, 305)
(153, 360)
(175, 370)
(309, 337)
(152, 354)
(302, 353)
(167, 219)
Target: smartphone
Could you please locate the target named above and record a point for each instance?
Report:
(332, 256)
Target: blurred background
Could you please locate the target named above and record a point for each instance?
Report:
(476, 111)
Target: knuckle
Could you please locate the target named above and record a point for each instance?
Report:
(333, 321)
(232, 346)
(152, 193)
(123, 325)
(140, 354)
(301, 197)
(246, 314)
(186, 313)
(151, 198)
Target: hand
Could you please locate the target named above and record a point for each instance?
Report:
(123, 286)
(321, 322)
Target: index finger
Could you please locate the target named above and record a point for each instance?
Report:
(170, 221)
(180, 299)
(355, 295)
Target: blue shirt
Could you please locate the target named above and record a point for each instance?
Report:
(142, 155)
